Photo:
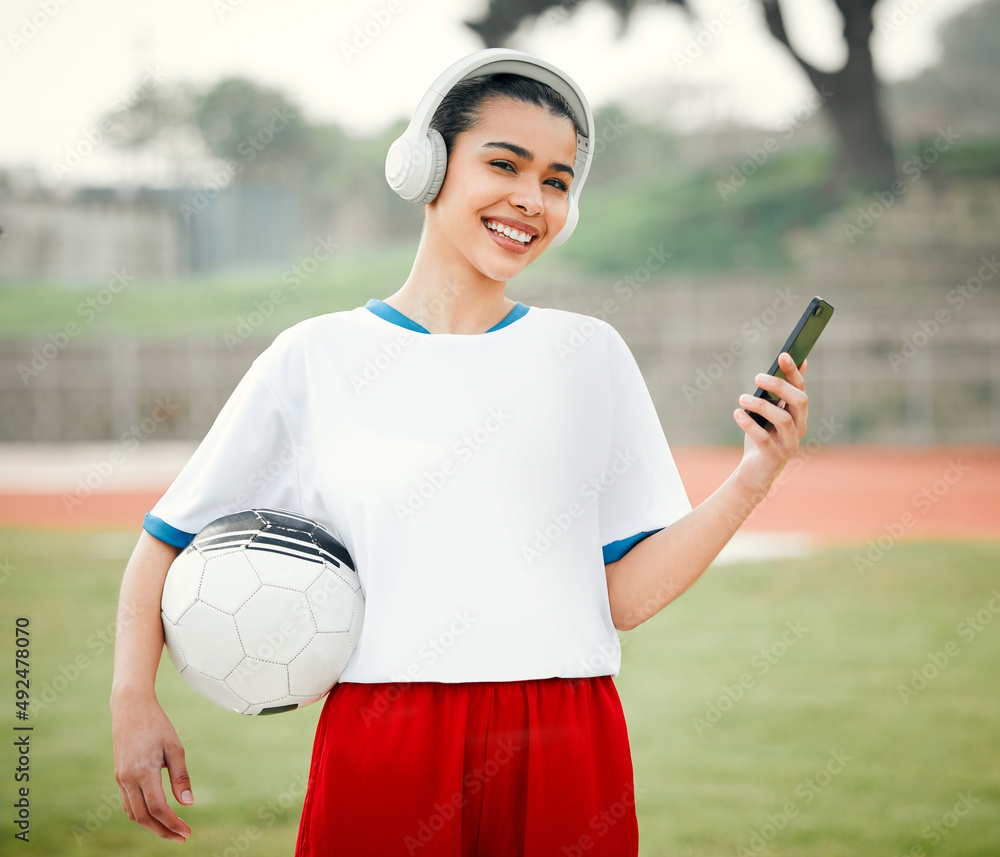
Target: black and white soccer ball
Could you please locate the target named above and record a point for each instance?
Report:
(262, 610)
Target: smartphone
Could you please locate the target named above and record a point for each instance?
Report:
(798, 345)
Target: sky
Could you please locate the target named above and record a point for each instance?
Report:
(365, 65)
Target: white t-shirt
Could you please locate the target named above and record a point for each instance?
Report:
(479, 481)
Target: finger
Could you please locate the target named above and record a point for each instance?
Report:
(142, 816)
(796, 400)
(786, 390)
(180, 782)
(792, 373)
(126, 804)
(757, 433)
(160, 816)
(760, 405)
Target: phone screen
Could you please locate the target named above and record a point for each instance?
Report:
(798, 345)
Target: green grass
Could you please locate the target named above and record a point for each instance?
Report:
(835, 689)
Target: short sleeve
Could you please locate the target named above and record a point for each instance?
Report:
(645, 493)
(248, 459)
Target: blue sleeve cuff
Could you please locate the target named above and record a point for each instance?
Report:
(616, 550)
(165, 533)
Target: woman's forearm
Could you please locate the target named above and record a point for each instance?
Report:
(665, 564)
(139, 630)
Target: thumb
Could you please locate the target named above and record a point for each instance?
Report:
(180, 782)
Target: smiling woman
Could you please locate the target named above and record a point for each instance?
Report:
(504, 157)
(499, 475)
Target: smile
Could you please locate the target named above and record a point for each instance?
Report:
(506, 236)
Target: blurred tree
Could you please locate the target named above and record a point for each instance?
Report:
(962, 86)
(158, 122)
(849, 95)
(241, 123)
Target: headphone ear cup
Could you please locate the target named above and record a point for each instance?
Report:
(437, 154)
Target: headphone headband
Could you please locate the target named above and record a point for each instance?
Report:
(416, 162)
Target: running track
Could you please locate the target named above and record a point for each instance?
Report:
(830, 495)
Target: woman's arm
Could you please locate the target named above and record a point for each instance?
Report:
(665, 564)
(144, 739)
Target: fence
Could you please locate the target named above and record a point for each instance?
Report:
(875, 376)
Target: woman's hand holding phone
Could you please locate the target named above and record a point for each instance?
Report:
(767, 450)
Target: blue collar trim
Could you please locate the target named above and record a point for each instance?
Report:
(391, 314)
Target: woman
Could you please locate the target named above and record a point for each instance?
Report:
(501, 479)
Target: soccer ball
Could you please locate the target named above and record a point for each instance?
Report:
(261, 611)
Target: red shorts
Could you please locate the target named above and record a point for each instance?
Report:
(540, 768)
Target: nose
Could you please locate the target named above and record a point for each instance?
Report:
(527, 196)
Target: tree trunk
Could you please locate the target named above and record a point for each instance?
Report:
(850, 98)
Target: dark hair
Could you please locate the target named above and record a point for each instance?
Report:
(459, 109)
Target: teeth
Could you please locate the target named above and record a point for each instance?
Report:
(513, 234)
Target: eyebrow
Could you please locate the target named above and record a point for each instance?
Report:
(521, 152)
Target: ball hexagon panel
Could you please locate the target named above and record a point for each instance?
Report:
(215, 690)
(180, 589)
(275, 568)
(275, 624)
(258, 682)
(228, 581)
(209, 640)
(333, 601)
(173, 645)
(318, 666)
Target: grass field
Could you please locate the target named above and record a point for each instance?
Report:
(764, 712)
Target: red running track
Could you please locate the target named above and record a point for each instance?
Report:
(835, 495)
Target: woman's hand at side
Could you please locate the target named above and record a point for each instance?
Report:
(766, 451)
(143, 738)
(144, 742)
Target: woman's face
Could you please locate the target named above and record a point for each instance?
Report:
(513, 169)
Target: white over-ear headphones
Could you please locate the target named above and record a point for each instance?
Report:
(416, 162)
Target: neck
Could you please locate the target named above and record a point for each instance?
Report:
(445, 294)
